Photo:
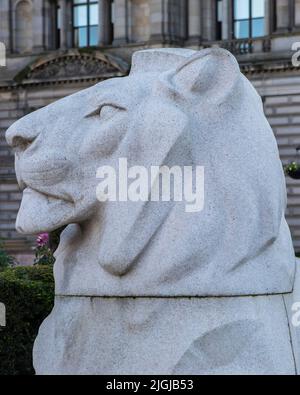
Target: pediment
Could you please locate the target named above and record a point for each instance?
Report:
(74, 65)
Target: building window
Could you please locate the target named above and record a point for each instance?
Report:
(219, 20)
(249, 18)
(58, 23)
(85, 22)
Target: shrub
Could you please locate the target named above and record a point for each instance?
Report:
(293, 170)
(28, 294)
(5, 259)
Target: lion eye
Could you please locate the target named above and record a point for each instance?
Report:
(108, 111)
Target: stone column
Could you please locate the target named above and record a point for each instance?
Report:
(50, 25)
(227, 23)
(291, 15)
(139, 20)
(120, 22)
(104, 22)
(209, 20)
(5, 24)
(38, 26)
(66, 25)
(195, 22)
(283, 15)
(269, 17)
(158, 19)
(297, 14)
(24, 21)
(4, 32)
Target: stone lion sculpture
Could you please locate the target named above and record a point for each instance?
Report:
(145, 287)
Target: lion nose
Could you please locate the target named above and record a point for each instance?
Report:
(20, 137)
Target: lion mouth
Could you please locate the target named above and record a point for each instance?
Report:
(46, 179)
(51, 197)
(46, 191)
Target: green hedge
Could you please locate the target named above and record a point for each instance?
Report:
(28, 294)
(5, 259)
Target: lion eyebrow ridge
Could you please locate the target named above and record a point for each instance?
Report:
(99, 108)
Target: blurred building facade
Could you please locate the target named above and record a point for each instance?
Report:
(57, 47)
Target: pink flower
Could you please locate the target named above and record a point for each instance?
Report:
(42, 239)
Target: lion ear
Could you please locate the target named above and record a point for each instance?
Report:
(211, 72)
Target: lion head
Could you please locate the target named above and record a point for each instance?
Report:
(177, 107)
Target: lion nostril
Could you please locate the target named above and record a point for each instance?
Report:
(21, 144)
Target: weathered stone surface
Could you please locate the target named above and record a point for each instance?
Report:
(177, 107)
(292, 303)
(239, 335)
